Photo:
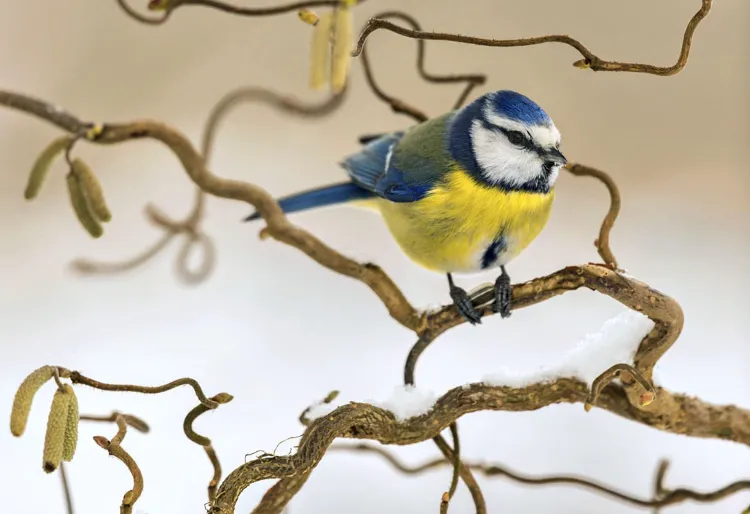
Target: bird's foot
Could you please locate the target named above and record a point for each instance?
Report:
(503, 294)
(463, 303)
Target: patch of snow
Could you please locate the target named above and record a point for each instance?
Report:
(616, 342)
(407, 402)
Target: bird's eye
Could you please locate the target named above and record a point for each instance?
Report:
(516, 137)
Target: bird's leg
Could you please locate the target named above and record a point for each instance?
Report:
(463, 303)
(503, 294)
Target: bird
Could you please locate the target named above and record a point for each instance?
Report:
(463, 192)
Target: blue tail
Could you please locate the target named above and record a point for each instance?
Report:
(322, 196)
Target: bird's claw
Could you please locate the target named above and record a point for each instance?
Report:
(465, 306)
(503, 295)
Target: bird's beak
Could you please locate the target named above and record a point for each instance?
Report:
(554, 155)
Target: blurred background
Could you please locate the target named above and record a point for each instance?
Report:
(279, 332)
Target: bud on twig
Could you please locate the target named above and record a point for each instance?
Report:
(308, 17)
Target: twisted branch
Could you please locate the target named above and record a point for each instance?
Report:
(169, 6)
(77, 378)
(671, 412)
(205, 442)
(401, 107)
(589, 61)
(661, 498)
(189, 227)
(114, 449)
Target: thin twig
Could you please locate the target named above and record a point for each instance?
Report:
(399, 106)
(613, 372)
(66, 489)
(189, 228)
(658, 489)
(662, 499)
(172, 5)
(205, 442)
(115, 449)
(77, 378)
(480, 506)
(132, 421)
(257, 11)
(589, 61)
(453, 455)
(602, 242)
(140, 17)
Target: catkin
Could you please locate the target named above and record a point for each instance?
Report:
(19, 414)
(320, 52)
(41, 166)
(71, 426)
(55, 437)
(342, 48)
(81, 206)
(92, 190)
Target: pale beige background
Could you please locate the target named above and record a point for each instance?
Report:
(279, 332)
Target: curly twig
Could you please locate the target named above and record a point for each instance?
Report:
(205, 442)
(140, 17)
(190, 226)
(602, 242)
(77, 378)
(614, 372)
(113, 448)
(452, 455)
(590, 60)
(169, 6)
(399, 106)
(662, 498)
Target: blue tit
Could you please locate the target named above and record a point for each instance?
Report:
(463, 192)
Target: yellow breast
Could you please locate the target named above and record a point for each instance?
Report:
(451, 228)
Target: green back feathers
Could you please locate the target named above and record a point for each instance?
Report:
(422, 154)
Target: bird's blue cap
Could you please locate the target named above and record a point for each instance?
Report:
(518, 107)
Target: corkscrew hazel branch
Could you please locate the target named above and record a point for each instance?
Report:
(661, 497)
(115, 449)
(589, 61)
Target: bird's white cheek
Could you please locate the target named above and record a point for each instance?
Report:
(500, 161)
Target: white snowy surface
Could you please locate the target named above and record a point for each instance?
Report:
(616, 342)
(408, 401)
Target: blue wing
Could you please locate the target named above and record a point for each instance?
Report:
(402, 166)
(372, 169)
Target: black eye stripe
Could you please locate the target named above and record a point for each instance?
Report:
(527, 142)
